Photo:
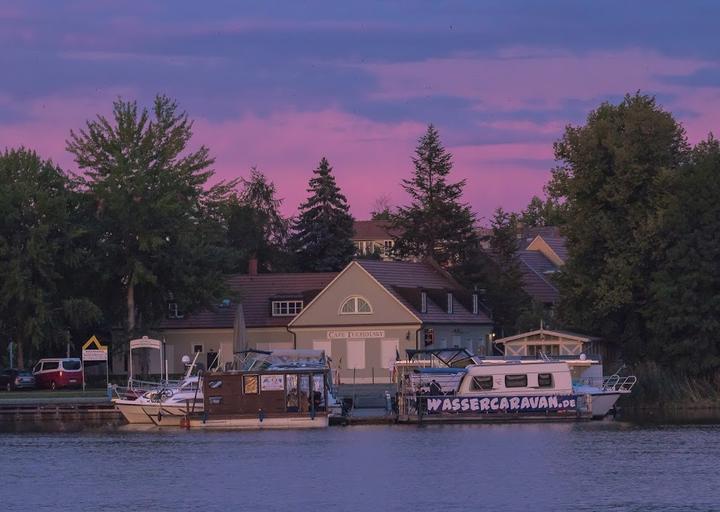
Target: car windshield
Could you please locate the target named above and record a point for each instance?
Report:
(25, 373)
(71, 365)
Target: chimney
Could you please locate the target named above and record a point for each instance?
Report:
(252, 266)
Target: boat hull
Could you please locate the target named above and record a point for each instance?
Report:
(602, 403)
(146, 413)
(254, 423)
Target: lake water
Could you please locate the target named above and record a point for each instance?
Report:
(587, 466)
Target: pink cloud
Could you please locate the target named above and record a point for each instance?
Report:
(514, 80)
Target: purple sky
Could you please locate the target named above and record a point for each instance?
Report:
(278, 85)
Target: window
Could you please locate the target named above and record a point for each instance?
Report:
(423, 302)
(197, 348)
(286, 307)
(550, 350)
(429, 337)
(545, 380)
(515, 381)
(356, 354)
(174, 311)
(72, 365)
(482, 382)
(475, 304)
(387, 247)
(50, 365)
(250, 384)
(449, 303)
(355, 306)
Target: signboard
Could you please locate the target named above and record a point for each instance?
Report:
(272, 383)
(94, 355)
(98, 353)
(145, 342)
(504, 404)
(358, 335)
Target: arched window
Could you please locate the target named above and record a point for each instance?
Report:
(355, 306)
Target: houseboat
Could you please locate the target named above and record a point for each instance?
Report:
(452, 385)
(266, 390)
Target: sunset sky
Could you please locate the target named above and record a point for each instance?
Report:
(278, 85)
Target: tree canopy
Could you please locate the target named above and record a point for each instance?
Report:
(40, 255)
(322, 234)
(611, 177)
(436, 223)
(159, 229)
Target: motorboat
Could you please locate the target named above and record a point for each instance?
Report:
(165, 406)
(453, 384)
(166, 403)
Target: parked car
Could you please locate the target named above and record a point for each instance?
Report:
(12, 378)
(58, 373)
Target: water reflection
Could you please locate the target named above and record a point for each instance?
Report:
(588, 466)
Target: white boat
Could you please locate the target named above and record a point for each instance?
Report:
(166, 403)
(452, 384)
(164, 407)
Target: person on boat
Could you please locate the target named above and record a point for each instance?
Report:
(435, 388)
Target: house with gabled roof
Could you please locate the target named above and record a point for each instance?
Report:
(363, 317)
(541, 254)
(374, 238)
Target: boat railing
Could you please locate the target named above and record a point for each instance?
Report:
(619, 383)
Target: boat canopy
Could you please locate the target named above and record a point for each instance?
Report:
(257, 360)
(448, 357)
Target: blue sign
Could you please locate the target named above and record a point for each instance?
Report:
(501, 404)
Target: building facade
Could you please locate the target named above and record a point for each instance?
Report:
(363, 317)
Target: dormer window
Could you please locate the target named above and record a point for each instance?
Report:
(475, 304)
(450, 303)
(355, 306)
(286, 307)
(423, 302)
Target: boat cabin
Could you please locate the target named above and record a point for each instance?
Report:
(279, 389)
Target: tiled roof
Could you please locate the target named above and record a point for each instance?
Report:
(536, 271)
(256, 293)
(373, 230)
(405, 280)
(557, 244)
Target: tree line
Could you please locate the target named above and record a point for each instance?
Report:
(144, 223)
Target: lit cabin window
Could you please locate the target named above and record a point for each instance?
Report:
(286, 307)
(355, 306)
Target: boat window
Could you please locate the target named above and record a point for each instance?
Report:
(482, 382)
(250, 384)
(291, 393)
(545, 380)
(215, 400)
(215, 384)
(318, 392)
(516, 381)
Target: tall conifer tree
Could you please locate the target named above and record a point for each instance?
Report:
(322, 234)
(436, 224)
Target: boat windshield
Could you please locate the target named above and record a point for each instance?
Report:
(450, 357)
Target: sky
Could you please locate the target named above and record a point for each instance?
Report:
(279, 85)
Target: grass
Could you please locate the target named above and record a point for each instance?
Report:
(661, 387)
